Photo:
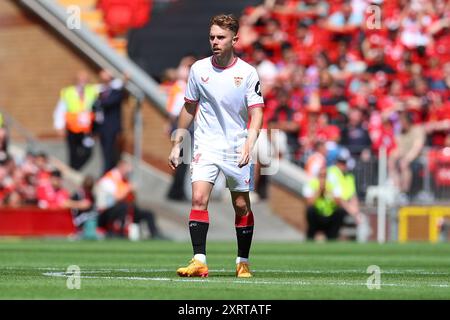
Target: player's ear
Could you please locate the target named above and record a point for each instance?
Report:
(235, 39)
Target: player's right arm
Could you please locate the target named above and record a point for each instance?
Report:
(185, 119)
(187, 114)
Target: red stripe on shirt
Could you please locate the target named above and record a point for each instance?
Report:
(258, 105)
(190, 101)
(214, 63)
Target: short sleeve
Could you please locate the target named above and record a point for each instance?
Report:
(337, 191)
(334, 183)
(192, 94)
(308, 190)
(254, 96)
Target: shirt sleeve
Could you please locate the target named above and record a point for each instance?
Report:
(105, 194)
(254, 96)
(334, 182)
(308, 190)
(59, 121)
(192, 94)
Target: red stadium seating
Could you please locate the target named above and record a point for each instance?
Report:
(32, 221)
(121, 15)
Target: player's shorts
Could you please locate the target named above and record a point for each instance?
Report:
(206, 165)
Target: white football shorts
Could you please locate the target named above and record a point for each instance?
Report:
(206, 165)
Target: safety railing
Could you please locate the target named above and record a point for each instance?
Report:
(18, 132)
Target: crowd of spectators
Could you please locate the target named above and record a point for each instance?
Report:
(332, 73)
(34, 182)
(343, 72)
(28, 182)
(323, 57)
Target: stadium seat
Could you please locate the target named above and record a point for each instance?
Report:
(32, 221)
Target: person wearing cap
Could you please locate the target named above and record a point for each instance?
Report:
(323, 213)
(330, 197)
(343, 180)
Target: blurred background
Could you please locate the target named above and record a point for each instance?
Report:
(91, 90)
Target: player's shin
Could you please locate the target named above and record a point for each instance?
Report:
(244, 234)
(198, 227)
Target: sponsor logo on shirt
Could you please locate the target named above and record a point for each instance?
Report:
(205, 80)
(258, 89)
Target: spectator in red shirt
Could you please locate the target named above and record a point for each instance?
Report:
(52, 195)
(43, 167)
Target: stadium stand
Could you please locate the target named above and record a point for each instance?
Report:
(112, 19)
(348, 83)
(36, 222)
(333, 72)
(338, 70)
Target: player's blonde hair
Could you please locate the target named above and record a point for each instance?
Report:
(225, 21)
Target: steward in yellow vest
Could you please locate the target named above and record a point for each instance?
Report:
(341, 178)
(79, 116)
(330, 197)
(323, 211)
(74, 118)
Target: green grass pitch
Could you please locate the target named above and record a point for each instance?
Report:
(36, 269)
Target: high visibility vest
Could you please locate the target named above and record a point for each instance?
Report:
(346, 182)
(1, 120)
(79, 115)
(175, 90)
(120, 184)
(325, 205)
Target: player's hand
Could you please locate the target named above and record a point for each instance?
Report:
(245, 156)
(174, 157)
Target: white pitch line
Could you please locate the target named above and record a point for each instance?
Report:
(417, 272)
(261, 282)
(333, 271)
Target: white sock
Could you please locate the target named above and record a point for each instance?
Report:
(200, 257)
(239, 260)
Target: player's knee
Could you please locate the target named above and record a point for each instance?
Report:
(240, 207)
(199, 201)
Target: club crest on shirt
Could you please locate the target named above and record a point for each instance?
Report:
(196, 158)
(237, 81)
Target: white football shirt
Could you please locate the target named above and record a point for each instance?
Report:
(224, 96)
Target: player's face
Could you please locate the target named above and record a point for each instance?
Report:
(221, 40)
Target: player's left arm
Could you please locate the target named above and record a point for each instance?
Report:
(255, 104)
(256, 122)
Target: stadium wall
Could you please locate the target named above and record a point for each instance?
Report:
(288, 206)
(36, 62)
